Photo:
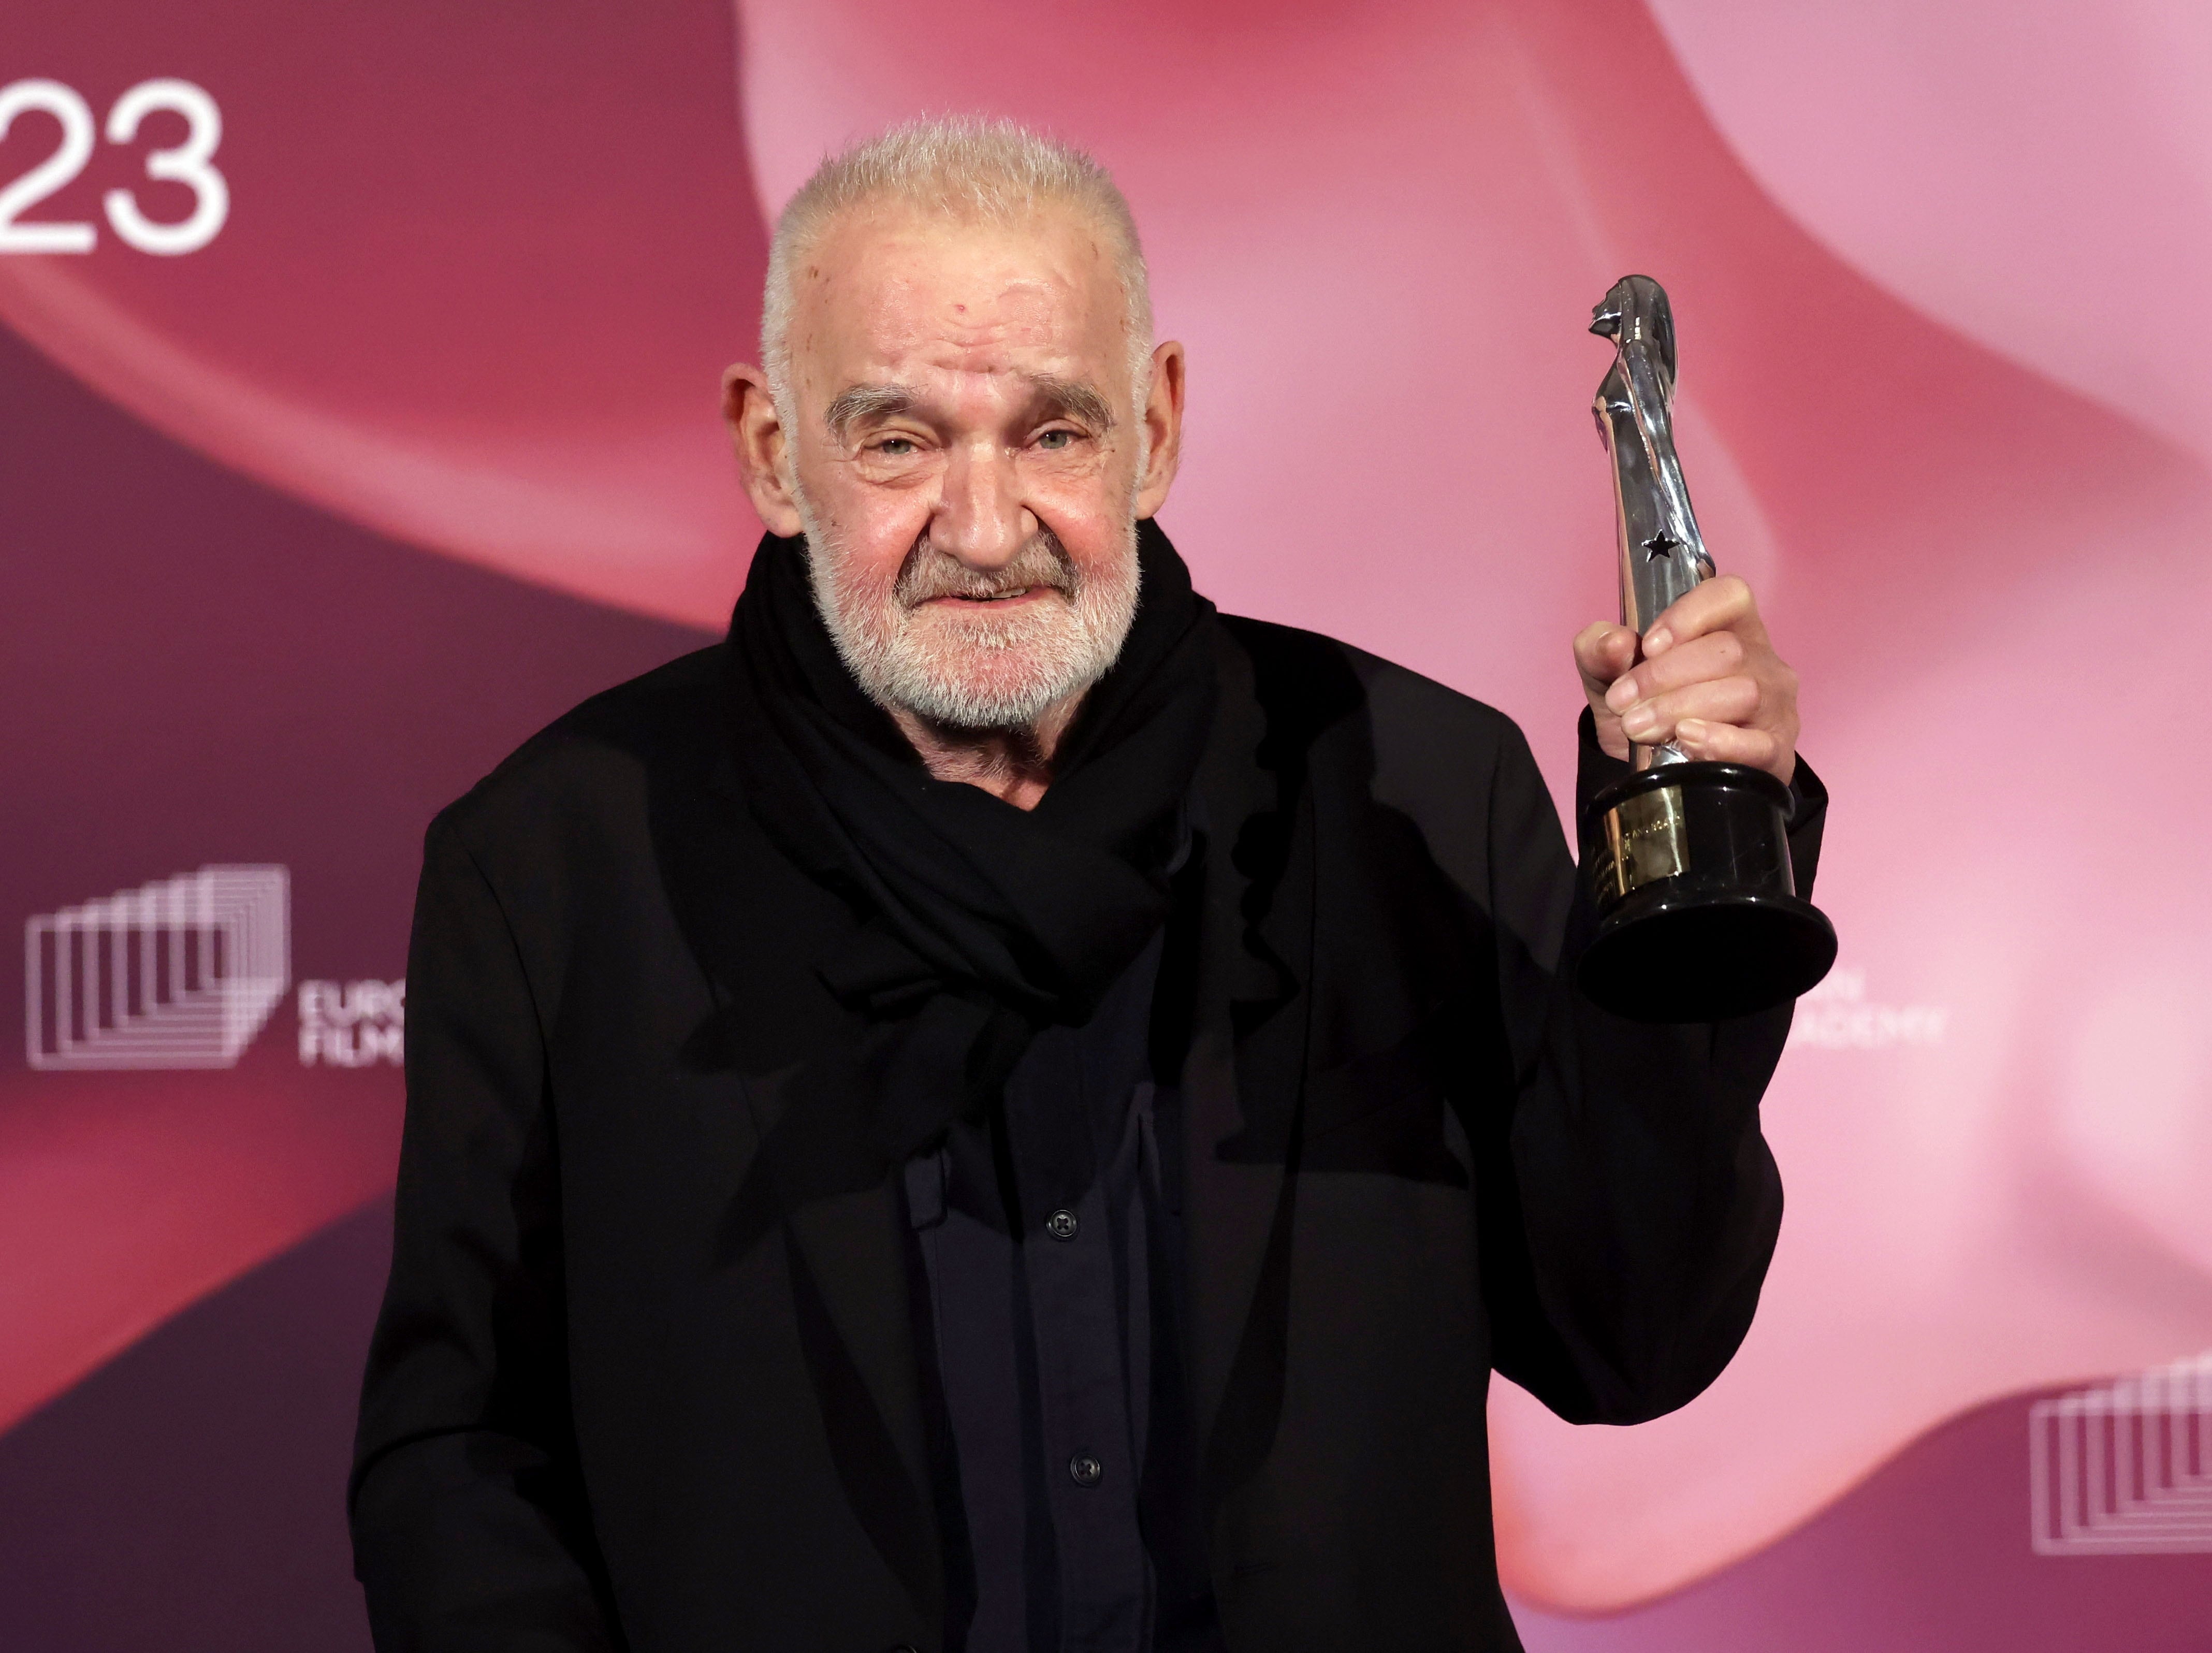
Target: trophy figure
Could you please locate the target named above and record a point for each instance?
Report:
(1697, 916)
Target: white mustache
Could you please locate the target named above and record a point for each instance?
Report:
(929, 574)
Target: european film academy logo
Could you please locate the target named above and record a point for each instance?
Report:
(357, 1026)
(2125, 1468)
(176, 974)
(184, 973)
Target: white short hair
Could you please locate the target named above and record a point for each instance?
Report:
(968, 168)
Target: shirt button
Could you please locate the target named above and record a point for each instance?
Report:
(1084, 1470)
(1061, 1225)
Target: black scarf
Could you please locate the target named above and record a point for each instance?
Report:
(982, 922)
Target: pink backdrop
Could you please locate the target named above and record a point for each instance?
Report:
(306, 526)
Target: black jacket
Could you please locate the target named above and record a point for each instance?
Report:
(633, 1387)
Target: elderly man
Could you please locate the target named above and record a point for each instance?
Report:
(998, 1108)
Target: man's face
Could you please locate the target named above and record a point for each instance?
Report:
(969, 457)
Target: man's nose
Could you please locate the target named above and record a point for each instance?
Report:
(980, 520)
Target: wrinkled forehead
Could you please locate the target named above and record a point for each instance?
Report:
(889, 292)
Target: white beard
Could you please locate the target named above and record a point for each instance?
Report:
(972, 669)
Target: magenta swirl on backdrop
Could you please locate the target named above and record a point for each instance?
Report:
(1933, 267)
(483, 269)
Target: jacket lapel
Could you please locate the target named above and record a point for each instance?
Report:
(852, 1300)
(840, 1223)
(848, 1257)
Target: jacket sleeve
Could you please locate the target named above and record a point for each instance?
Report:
(1630, 1204)
(470, 1526)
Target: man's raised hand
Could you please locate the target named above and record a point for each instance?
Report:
(1710, 680)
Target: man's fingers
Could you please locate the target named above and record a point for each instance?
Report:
(1602, 652)
(1708, 681)
(1720, 700)
(1718, 654)
(1722, 742)
(1718, 604)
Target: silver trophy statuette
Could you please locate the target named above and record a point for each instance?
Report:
(1698, 916)
(1662, 554)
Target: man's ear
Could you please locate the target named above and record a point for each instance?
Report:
(764, 456)
(1163, 429)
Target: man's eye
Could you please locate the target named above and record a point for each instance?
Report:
(1053, 441)
(895, 448)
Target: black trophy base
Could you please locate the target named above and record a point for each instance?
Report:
(1698, 916)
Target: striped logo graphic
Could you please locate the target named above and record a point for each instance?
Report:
(2125, 1468)
(180, 973)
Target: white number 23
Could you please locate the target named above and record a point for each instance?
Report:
(189, 164)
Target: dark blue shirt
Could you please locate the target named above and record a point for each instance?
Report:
(1050, 1241)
